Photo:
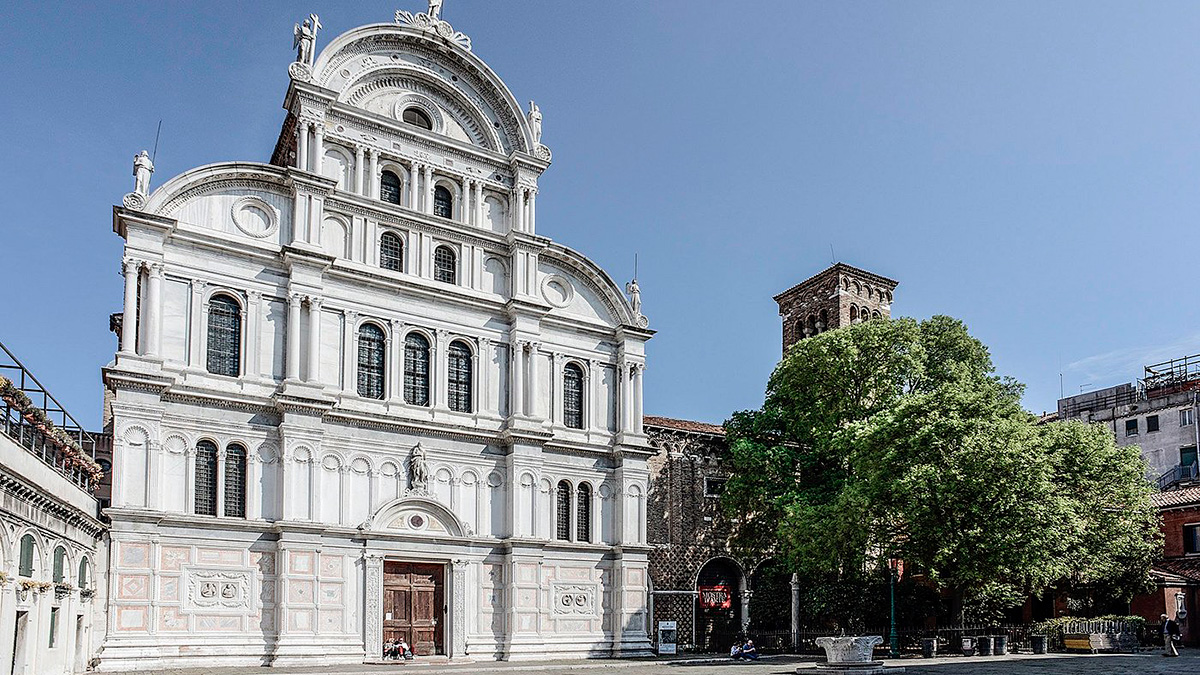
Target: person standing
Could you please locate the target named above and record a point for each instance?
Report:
(1170, 630)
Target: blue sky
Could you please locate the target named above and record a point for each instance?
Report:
(1031, 168)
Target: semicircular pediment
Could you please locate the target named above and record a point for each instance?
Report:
(360, 55)
(389, 89)
(417, 515)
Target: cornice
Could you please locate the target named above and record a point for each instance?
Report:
(122, 217)
(46, 502)
(401, 217)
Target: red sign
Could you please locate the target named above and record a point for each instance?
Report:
(715, 597)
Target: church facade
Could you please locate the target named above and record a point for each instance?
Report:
(358, 397)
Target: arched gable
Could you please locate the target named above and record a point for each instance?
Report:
(409, 59)
(416, 515)
(591, 291)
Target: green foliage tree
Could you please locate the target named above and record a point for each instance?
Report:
(894, 438)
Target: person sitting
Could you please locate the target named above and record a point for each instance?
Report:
(389, 649)
(735, 652)
(749, 651)
(404, 650)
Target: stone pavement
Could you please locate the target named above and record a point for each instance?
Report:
(1014, 664)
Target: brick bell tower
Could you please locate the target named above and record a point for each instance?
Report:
(837, 296)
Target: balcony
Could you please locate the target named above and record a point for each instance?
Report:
(37, 422)
(1178, 476)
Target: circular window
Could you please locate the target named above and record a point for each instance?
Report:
(255, 217)
(416, 521)
(557, 291)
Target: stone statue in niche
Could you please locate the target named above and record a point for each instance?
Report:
(418, 470)
(535, 122)
(142, 168)
(305, 39)
(435, 9)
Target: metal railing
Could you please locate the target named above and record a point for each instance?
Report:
(19, 426)
(783, 641)
(1177, 475)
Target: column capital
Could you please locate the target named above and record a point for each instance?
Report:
(254, 295)
(314, 302)
(350, 315)
(198, 286)
(295, 299)
(157, 269)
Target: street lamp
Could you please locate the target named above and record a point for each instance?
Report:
(893, 639)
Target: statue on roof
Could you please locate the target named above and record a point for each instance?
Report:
(305, 39)
(535, 122)
(635, 296)
(435, 8)
(142, 168)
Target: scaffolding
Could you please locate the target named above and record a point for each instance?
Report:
(1179, 374)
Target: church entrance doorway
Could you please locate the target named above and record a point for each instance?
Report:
(414, 605)
(719, 589)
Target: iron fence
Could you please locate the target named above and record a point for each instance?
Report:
(949, 638)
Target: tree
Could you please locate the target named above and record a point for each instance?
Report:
(894, 438)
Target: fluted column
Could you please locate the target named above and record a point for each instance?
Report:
(154, 314)
(314, 340)
(516, 373)
(414, 178)
(531, 220)
(358, 170)
(477, 211)
(349, 351)
(464, 210)
(533, 379)
(372, 181)
(638, 369)
(129, 324)
(593, 399)
(197, 325)
(428, 206)
(318, 146)
(293, 336)
(302, 129)
(253, 350)
(395, 362)
(440, 370)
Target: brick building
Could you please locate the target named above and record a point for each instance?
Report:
(712, 594)
(1177, 574)
(837, 296)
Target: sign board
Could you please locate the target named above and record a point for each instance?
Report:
(715, 597)
(666, 637)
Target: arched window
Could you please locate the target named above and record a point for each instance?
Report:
(445, 266)
(371, 352)
(562, 520)
(573, 396)
(235, 481)
(224, 336)
(583, 513)
(459, 393)
(83, 573)
(206, 478)
(389, 187)
(876, 315)
(853, 314)
(443, 202)
(417, 117)
(60, 564)
(391, 252)
(25, 567)
(416, 370)
(823, 323)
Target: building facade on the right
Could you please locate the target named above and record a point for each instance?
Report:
(1177, 575)
(1157, 413)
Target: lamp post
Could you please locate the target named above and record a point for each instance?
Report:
(893, 639)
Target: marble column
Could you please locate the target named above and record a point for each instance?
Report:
(302, 129)
(531, 221)
(428, 206)
(593, 395)
(464, 213)
(516, 403)
(359, 157)
(372, 180)
(534, 384)
(795, 609)
(555, 413)
(154, 313)
(414, 173)
(638, 368)
(318, 147)
(483, 375)
(253, 350)
(253, 481)
(197, 325)
(477, 212)
(314, 340)
(129, 324)
(293, 336)
(373, 619)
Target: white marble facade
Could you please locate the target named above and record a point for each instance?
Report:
(343, 477)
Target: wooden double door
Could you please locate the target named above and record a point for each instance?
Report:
(414, 601)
